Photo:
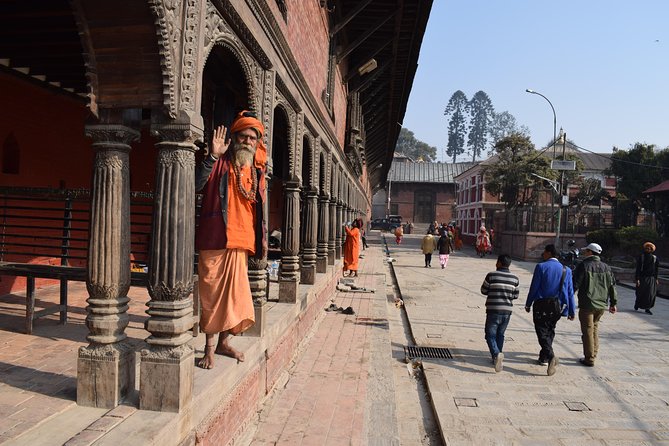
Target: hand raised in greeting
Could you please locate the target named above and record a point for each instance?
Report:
(219, 145)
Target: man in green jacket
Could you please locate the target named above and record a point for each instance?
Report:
(596, 292)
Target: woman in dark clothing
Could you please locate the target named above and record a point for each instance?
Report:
(646, 278)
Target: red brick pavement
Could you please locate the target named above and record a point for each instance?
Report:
(38, 372)
(324, 401)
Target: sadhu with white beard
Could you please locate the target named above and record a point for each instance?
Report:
(232, 178)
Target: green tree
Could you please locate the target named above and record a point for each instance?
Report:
(414, 148)
(590, 192)
(504, 124)
(481, 114)
(511, 172)
(456, 108)
(636, 169)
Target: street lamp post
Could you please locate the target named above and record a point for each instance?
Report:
(554, 116)
(557, 232)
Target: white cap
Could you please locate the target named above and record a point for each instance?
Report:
(594, 247)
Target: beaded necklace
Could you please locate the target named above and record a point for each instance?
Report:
(251, 194)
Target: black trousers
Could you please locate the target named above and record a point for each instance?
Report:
(546, 314)
(428, 259)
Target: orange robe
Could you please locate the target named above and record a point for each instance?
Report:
(225, 292)
(351, 249)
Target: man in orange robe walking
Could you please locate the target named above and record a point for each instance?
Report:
(230, 229)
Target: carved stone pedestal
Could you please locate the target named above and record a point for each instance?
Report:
(308, 274)
(258, 329)
(288, 290)
(322, 265)
(258, 281)
(162, 371)
(331, 257)
(338, 252)
(105, 374)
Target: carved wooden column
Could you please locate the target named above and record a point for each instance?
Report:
(323, 227)
(258, 278)
(309, 244)
(338, 225)
(106, 367)
(166, 370)
(290, 242)
(332, 231)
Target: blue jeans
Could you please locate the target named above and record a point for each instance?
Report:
(495, 326)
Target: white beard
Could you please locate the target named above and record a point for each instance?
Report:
(243, 154)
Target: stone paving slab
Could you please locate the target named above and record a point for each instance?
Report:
(625, 397)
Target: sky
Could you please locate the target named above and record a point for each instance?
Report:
(604, 65)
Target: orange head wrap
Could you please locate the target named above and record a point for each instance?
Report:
(649, 245)
(247, 120)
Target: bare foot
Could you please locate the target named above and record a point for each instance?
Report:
(207, 361)
(226, 350)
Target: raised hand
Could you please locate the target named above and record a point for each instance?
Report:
(219, 145)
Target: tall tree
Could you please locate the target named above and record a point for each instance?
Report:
(503, 125)
(481, 113)
(510, 174)
(457, 109)
(414, 148)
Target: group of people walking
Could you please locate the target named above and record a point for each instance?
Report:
(444, 245)
(556, 293)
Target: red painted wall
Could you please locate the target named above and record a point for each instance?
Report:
(48, 126)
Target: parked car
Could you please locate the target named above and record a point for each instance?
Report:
(386, 224)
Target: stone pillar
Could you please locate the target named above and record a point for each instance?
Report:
(323, 226)
(289, 277)
(309, 243)
(106, 367)
(339, 237)
(332, 231)
(167, 362)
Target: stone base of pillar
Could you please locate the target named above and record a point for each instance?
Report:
(308, 274)
(105, 375)
(338, 252)
(258, 329)
(288, 291)
(331, 257)
(322, 265)
(166, 378)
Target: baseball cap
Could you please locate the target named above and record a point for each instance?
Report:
(594, 247)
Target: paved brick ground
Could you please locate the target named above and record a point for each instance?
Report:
(329, 398)
(623, 400)
(38, 371)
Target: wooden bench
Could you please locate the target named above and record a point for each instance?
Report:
(44, 234)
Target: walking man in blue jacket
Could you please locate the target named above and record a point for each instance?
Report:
(551, 296)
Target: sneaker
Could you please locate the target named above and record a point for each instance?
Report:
(499, 362)
(442, 266)
(586, 363)
(649, 312)
(542, 362)
(552, 366)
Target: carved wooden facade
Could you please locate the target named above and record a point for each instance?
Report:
(150, 89)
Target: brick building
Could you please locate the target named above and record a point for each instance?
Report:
(420, 192)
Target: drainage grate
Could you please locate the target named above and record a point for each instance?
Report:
(427, 352)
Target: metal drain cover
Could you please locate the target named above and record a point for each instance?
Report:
(576, 406)
(412, 352)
